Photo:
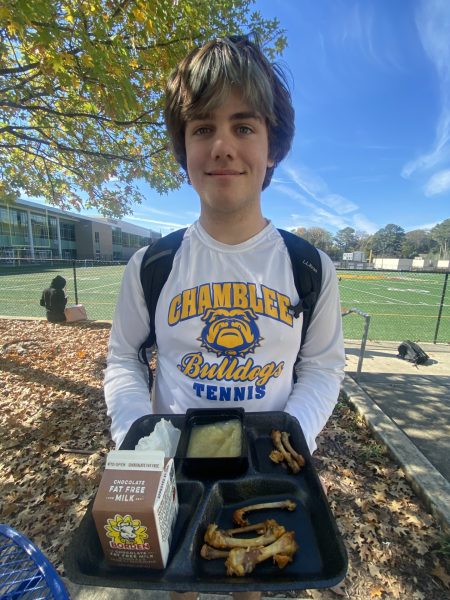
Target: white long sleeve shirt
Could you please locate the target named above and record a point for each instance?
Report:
(226, 337)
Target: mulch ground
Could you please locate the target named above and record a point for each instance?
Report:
(55, 436)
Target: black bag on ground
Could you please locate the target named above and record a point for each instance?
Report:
(412, 352)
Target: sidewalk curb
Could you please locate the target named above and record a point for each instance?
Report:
(426, 481)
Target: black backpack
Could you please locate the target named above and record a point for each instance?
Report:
(46, 299)
(158, 260)
(412, 352)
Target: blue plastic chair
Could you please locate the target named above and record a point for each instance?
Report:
(25, 572)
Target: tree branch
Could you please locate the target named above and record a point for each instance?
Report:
(64, 148)
(50, 181)
(121, 7)
(20, 84)
(19, 69)
(45, 157)
(81, 114)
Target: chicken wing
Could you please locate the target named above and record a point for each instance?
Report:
(238, 515)
(217, 538)
(276, 439)
(242, 561)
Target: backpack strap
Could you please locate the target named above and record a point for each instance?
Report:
(155, 268)
(47, 299)
(307, 270)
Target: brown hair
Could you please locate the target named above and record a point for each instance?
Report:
(203, 80)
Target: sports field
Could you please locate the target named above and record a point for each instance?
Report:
(401, 305)
(97, 287)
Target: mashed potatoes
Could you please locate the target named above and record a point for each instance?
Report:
(215, 440)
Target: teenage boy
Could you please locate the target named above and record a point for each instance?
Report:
(230, 119)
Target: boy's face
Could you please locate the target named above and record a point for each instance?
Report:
(227, 158)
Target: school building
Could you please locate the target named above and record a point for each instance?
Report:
(36, 231)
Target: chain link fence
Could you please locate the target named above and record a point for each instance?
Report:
(401, 304)
(90, 282)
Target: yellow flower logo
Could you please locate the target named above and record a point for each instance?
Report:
(126, 530)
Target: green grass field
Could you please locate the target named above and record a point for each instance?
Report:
(97, 288)
(401, 305)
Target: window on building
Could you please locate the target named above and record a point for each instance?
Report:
(18, 225)
(53, 228)
(144, 241)
(4, 221)
(39, 228)
(97, 237)
(67, 231)
(117, 236)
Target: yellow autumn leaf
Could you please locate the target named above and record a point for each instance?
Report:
(139, 15)
(67, 58)
(12, 28)
(57, 64)
(114, 70)
(87, 61)
(441, 574)
(414, 520)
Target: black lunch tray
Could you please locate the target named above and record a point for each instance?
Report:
(320, 561)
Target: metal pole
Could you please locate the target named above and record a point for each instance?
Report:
(75, 281)
(440, 308)
(363, 345)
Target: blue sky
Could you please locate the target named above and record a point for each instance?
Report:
(370, 81)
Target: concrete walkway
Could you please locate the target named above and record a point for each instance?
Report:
(408, 408)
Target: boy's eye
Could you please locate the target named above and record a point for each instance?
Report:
(202, 130)
(245, 129)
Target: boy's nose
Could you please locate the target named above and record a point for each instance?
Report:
(222, 147)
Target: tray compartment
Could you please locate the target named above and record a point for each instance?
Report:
(261, 445)
(314, 561)
(84, 558)
(211, 467)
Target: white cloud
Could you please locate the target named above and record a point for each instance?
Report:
(438, 183)
(313, 185)
(324, 217)
(433, 25)
(426, 226)
(145, 210)
(154, 222)
(361, 223)
(288, 191)
(325, 208)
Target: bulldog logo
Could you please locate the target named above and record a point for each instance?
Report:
(230, 331)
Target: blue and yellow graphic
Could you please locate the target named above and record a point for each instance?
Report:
(230, 331)
(229, 314)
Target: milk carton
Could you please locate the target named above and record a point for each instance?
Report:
(136, 508)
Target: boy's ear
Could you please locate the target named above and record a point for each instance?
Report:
(270, 163)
